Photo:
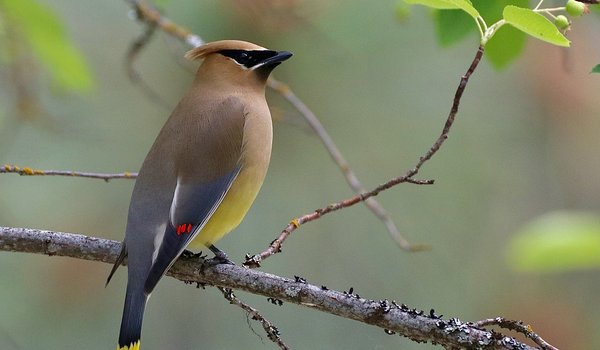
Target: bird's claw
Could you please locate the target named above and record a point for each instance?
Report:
(220, 258)
(191, 255)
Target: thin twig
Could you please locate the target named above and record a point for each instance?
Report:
(377, 209)
(151, 15)
(134, 51)
(271, 330)
(516, 326)
(538, 5)
(27, 171)
(415, 324)
(275, 246)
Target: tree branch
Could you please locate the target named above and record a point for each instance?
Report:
(27, 171)
(270, 329)
(275, 246)
(391, 317)
(516, 326)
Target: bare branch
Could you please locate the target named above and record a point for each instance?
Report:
(269, 328)
(150, 15)
(134, 51)
(287, 93)
(516, 326)
(391, 317)
(27, 171)
(275, 246)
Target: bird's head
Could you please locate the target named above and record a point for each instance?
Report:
(237, 62)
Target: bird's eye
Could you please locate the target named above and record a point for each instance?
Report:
(244, 58)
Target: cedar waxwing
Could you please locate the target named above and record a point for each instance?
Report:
(203, 171)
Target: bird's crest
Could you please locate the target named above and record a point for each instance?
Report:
(201, 52)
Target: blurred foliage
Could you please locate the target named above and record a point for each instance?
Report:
(44, 33)
(161, 3)
(402, 12)
(596, 69)
(557, 242)
(452, 26)
(506, 46)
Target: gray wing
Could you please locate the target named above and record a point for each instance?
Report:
(207, 164)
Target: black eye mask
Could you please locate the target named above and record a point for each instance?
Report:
(248, 59)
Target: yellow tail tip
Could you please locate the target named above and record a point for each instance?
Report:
(132, 346)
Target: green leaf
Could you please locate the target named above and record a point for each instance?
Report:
(45, 34)
(491, 11)
(435, 4)
(596, 69)
(452, 26)
(505, 46)
(464, 5)
(534, 24)
(557, 242)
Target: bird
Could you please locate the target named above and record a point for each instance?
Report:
(202, 173)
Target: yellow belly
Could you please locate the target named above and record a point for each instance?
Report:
(258, 135)
(233, 208)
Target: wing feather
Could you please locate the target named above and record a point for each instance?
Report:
(202, 182)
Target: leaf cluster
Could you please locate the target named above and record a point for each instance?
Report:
(456, 19)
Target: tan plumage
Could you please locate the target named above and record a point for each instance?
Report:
(203, 171)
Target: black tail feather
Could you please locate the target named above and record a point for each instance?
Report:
(131, 324)
(118, 262)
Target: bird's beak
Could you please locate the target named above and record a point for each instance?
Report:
(274, 60)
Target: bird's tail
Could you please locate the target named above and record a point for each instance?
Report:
(131, 324)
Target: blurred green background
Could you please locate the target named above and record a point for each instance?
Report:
(525, 144)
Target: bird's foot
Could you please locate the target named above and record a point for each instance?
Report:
(191, 255)
(220, 257)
